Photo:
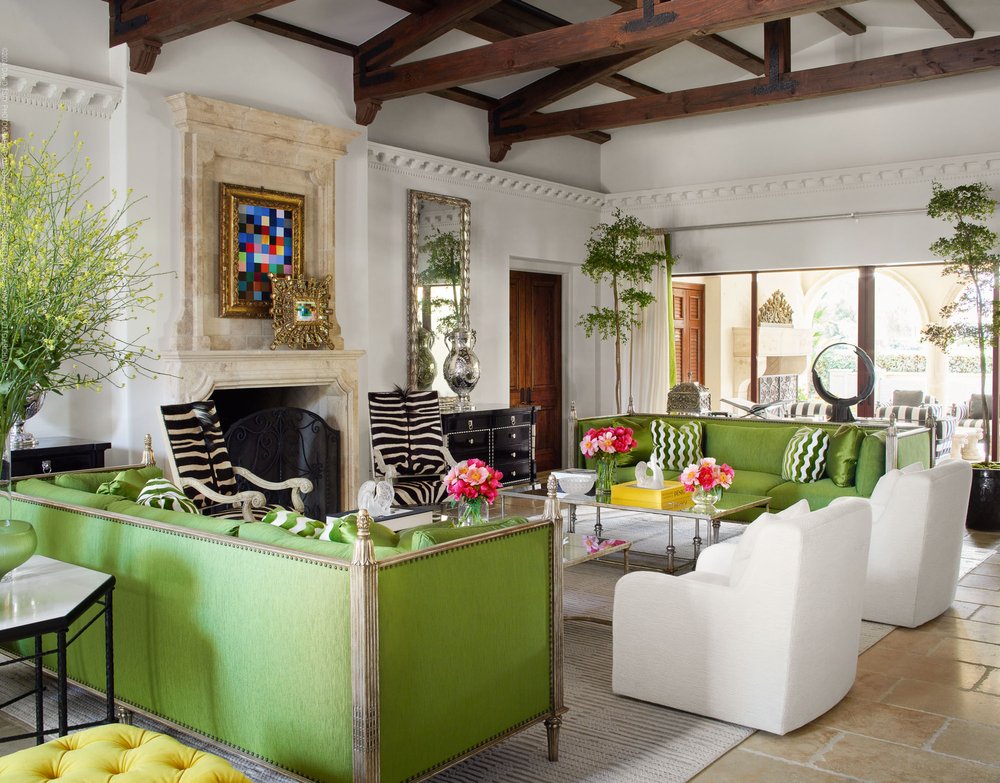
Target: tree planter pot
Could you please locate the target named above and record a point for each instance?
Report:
(984, 501)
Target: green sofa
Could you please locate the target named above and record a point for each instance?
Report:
(311, 654)
(755, 447)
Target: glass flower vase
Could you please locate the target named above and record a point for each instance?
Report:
(17, 537)
(707, 498)
(473, 512)
(606, 464)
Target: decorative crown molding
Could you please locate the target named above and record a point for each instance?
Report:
(55, 91)
(395, 160)
(962, 168)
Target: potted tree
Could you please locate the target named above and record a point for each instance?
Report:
(616, 256)
(71, 277)
(970, 256)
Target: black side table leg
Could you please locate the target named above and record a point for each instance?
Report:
(109, 654)
(39, 687)
(61, 675)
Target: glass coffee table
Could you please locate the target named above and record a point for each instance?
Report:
(731, 503)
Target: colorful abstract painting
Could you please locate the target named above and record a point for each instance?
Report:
(264, 247)
(261, 235)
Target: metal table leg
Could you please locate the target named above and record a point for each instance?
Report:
(61, 684)
(671, 549)
(598, 529)
(697, 537)
(716, 525)
(39, 686)
(572, 518)
(109, 654)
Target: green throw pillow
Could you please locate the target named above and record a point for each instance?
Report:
(347, 532)
(160, 493)
(805, 456)
(295, 523)
(842, 456)
(674, 448)
(129, 483)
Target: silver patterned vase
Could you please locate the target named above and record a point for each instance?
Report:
(461, 365)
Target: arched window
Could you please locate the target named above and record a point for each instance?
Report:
(900, 354)
(834, 319)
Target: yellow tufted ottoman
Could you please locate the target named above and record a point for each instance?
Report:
(118, 753)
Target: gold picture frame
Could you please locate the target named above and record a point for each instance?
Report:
(301, 313)
(261, 235)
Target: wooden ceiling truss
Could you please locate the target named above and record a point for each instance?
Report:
(522, 38)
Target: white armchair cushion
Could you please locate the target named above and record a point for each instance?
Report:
(745, 544)
(916, 548)
(772, 649)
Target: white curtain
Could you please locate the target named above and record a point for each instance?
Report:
(653, 346)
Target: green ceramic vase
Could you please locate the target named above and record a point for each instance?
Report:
(17, 544)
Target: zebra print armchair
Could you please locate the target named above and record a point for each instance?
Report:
(200, 460)
(408, 445)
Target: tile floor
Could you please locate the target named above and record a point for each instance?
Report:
(925, 705)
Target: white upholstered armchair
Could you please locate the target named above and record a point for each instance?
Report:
(765, 632)
(918, 525)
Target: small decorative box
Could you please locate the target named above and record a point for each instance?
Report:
(628, 494)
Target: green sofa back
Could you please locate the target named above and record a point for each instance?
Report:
(756, 448)
(252, 645)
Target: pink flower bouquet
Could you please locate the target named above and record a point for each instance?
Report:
(473, 483)
(707, 475)
(607, 440)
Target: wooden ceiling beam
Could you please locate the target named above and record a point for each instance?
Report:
(415, 31)
(906, 68)
(844, 21)
(778, 47)
(944, 15)
(730, 52)
(566, 81)
(621, 32)
(300, 34)
(511, 19)
(479, 101)
(163, 21)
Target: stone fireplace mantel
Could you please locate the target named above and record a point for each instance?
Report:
(325, 382)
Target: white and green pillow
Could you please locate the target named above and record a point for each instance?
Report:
(160, 493)
(805, 456)
(674, 448)
(294, 522)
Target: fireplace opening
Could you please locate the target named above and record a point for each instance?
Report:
(277, 441)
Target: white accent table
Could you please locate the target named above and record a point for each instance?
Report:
(965, 444)
(47, 596)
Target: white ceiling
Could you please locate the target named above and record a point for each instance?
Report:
(893, 26)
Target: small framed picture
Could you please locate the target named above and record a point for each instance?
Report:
(260, 237)
(300, 311)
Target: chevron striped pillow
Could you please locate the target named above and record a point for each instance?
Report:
(674, 448)
(805, 456)
(160, 493)
(293, 522)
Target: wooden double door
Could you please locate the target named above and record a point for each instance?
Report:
(536, 358)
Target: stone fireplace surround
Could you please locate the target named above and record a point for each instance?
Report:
(225, 142)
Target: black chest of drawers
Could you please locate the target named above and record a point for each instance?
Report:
(500, 436)
(55, 455)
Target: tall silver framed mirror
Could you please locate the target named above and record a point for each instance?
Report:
(438, 277)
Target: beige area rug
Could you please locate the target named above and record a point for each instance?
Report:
(604, 738)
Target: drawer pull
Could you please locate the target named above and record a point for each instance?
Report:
(472, 441)
(512, 435)
(46, 466)
(512, 420)
(469, 422)
(513, 473)
(513, 454)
